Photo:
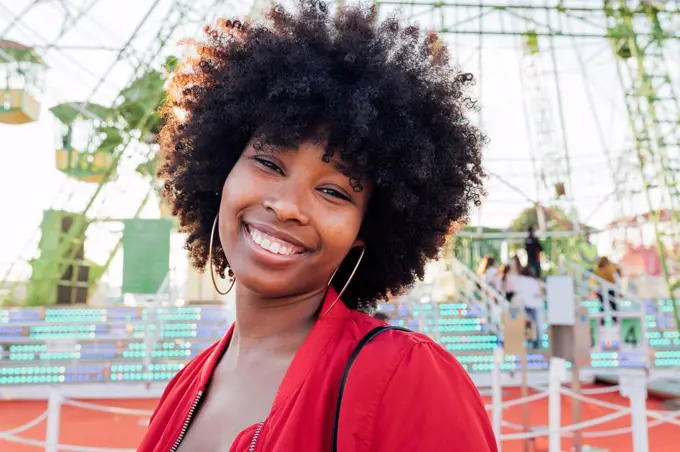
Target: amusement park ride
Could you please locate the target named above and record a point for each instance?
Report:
(639, 35)
(97, 148)
(106, 145)
(103, 144)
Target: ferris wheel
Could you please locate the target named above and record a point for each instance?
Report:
(593, 87)
(98, 88)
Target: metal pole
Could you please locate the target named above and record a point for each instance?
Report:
(637, 393)
(525, 406)
(497, 396)
(53, 419)
(556, 375)
(576, 415)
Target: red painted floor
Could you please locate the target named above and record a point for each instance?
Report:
(96, 429)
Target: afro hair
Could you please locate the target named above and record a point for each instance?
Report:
(388, 100)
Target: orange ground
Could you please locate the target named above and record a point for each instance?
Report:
(95, 429)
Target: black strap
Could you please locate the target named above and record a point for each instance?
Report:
(363, 342)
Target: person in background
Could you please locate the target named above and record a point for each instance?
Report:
(481, 267)
(587, 252)
(505, 281)
(528, 290)
(488, 271)
(607, 271)
(515, 265)
(495, 318)
(534, 249)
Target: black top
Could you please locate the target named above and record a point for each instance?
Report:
(533, 248)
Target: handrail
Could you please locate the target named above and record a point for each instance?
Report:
(489, 295)
(472, 276)
(586, 275)
(629, 269)
(566, 265)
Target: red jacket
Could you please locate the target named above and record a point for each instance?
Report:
(404, 393)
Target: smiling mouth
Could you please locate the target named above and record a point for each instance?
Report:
(272, 244)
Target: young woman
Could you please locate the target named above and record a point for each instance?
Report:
(488, 271)
(505, 281)
(528, 291)
(515, 265)
(316, 164)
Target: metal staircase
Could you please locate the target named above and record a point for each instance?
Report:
(480, 297)
(619, 319)
(662, 329)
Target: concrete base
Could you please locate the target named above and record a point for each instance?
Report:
(665, 387)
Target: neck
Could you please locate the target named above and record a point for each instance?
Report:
(279, 322)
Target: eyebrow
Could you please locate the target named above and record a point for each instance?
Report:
(344, 169)
(354, 180)
(261, 146)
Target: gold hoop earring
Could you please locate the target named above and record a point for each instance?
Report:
(210, 261)
(361, 256)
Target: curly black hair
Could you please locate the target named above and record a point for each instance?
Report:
(388, 101)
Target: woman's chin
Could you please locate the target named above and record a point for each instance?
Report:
(269, 286)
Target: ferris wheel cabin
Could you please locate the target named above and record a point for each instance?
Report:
(21, 82)
(86, 141)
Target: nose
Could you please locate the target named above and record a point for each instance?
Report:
(286, 204)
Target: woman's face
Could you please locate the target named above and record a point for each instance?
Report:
(287, 218)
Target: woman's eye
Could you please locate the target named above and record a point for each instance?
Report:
(333, 193)
(269, 164)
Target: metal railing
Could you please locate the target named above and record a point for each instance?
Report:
(476, 291)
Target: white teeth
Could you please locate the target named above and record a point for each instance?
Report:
(271, 244)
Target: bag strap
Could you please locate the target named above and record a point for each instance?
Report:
(362, 343)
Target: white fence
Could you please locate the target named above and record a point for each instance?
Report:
(53, 417)
(633, 386)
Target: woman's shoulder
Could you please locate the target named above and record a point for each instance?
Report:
(403, 351)
(397, 338)
(406, 385)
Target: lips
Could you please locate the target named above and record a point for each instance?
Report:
(274, 242)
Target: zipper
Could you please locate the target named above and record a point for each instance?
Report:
(256, 436)
(187, 421)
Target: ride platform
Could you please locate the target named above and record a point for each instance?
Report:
(665, 390)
